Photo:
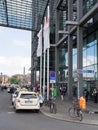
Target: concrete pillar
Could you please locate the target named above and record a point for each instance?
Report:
(70, 79)
(79, 59)
(56, 49)
(79, 47)
(32, 74)
(33, 62)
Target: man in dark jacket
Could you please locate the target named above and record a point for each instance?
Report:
(11, 92)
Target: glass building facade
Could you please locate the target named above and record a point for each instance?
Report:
(73, 37)
(82, 60)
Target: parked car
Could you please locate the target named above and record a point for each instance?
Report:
(26, 100)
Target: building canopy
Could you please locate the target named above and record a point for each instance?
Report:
(22, 14)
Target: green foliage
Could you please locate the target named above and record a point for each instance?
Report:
(14, 80)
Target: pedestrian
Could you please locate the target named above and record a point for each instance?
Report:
(86, 94)
(95, 95)
(64, 89)
(62, 94)
(11, 92)
(55, 92)
(60, 88)
(82, 102)
(74, 90)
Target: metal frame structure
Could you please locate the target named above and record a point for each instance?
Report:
(22, 14)
(75, 27)
(70, 17)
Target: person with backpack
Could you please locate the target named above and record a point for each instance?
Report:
(95, 95)
(86, 94)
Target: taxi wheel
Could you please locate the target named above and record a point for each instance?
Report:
(37, 111)
(15, 109)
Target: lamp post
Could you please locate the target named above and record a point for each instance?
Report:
(1, 78)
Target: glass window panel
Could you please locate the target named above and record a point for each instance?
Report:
(74, 62)
(91, 43)
(96, 72)
(84, 43)
(84, 58)
(89, 74)
(97, 35)
(66, 58)
(90, 38)
(62, 56)
(84, 74)
(90, 56)
(74, 51)
(96, 53)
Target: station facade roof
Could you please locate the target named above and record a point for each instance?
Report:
(22, 14)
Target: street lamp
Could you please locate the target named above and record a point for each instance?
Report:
(1, 78)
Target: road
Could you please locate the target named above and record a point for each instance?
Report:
(24, 120)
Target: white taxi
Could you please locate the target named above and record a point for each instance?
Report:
(27, 101)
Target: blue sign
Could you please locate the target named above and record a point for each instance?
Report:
(52, 75)
(88, 71)
(80, 71)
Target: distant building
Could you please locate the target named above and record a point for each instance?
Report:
(24, 78)
(4, 79)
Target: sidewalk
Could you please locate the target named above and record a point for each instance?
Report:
(62, 112)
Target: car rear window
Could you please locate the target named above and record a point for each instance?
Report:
(27, 96)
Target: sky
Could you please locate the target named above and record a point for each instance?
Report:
(15, 51)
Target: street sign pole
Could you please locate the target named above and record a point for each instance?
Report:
(78, 89)
(77, 74)
(52, 79)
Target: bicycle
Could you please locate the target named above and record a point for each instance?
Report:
(75, 112)
(52, 106)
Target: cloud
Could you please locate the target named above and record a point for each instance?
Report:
(21, 43)
(89, 60)
(2, 60)
(1, 31)
(14, 64)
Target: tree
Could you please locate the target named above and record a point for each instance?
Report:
(14, 80)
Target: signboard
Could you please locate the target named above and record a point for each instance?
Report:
(52, 81)
(88, 71)
(80, 71)
(52, 76)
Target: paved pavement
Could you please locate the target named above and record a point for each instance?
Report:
(62, 112)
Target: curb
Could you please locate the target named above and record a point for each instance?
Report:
(59, 117)
(91, 112)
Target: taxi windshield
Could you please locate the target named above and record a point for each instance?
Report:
(28, 96)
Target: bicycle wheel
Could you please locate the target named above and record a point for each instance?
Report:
(72, 112)
(79, 115)
(51, 108)
(54, 109)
